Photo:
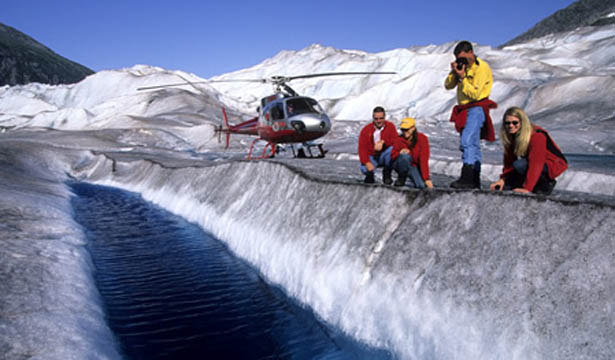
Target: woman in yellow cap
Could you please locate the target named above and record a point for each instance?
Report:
(411, 156)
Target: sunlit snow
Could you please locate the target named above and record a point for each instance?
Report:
(428, 275)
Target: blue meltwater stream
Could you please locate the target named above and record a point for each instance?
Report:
(173, 291)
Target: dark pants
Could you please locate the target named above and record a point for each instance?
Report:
(517, 178)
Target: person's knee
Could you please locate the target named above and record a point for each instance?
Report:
(520, 166)
(402, 162)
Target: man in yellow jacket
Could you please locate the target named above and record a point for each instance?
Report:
(473, 80)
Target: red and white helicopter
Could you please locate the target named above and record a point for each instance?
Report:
(284, 117)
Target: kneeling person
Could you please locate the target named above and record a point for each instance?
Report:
(411, 156)
(375, 146)
(532, 160)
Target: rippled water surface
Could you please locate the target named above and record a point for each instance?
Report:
(171, 290)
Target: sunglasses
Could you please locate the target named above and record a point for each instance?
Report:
(511, 123)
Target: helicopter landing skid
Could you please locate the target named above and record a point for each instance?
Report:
(264, 155)
(302, 153)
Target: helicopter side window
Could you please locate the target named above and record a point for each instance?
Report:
(277, 112)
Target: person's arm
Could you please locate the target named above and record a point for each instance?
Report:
(365, 146)
(509, 158)
(389, 134)
(423, 160)
(399, 147)
(451, 80)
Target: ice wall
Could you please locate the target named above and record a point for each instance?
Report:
(430, 275)
(49, 305)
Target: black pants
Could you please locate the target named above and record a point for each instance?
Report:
(516, 179)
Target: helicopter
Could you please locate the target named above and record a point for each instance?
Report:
(284, 117)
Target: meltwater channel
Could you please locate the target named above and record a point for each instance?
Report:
(173, 291)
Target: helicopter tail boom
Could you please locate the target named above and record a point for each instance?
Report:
(248, 127)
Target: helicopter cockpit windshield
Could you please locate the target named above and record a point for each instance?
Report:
(298, 106)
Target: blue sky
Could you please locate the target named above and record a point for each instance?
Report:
(212, 37)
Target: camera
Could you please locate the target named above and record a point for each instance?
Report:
(460, 62)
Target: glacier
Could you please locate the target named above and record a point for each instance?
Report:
(427, 274)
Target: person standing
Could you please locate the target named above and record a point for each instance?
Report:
(375, 146)
(411, 156)
(473, 79)
(532, 160)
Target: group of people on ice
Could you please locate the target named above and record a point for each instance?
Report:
(532, 160)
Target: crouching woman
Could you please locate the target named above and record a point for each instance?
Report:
(411, 156)
(532, 160)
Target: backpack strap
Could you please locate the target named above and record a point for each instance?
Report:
(551, 146)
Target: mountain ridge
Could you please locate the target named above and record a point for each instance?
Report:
(578, 14)
(24, 60)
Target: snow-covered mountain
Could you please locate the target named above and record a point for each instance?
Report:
(566, 83)
(423, 274)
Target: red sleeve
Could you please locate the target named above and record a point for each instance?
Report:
(423, 160)
(389, 134)
(509, 158)
(366, 144)
(398, 145)
(537, 155)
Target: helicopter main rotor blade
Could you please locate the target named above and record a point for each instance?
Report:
(289, 78)
(200, 82)
(277, 80)
(239, 80)
(170, 85)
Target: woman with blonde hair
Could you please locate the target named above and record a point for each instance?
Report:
(532, 160)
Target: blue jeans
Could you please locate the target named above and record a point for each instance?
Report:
(470, 136)
(380, 159)
(403, 165)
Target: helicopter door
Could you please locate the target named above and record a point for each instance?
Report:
(275, 117)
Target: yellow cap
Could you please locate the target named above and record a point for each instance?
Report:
(407, 123)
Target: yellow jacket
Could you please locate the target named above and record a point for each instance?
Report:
(475, 86)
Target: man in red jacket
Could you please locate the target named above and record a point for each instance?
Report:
(411, 156)
(375, 146)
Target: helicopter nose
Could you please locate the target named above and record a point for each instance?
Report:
(313, 123)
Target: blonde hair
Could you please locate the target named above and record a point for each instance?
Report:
(521, 139)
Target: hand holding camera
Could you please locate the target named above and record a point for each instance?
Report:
(460, 62)
(459, 67)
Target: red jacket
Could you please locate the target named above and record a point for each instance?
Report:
(541, 150)
(366, 139)
(460, 115)
(419, 153)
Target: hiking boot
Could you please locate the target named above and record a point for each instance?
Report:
(476, 175)
(401, 180)
(545, 187)
(369, 178)
(466, 180)
(386, 176)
